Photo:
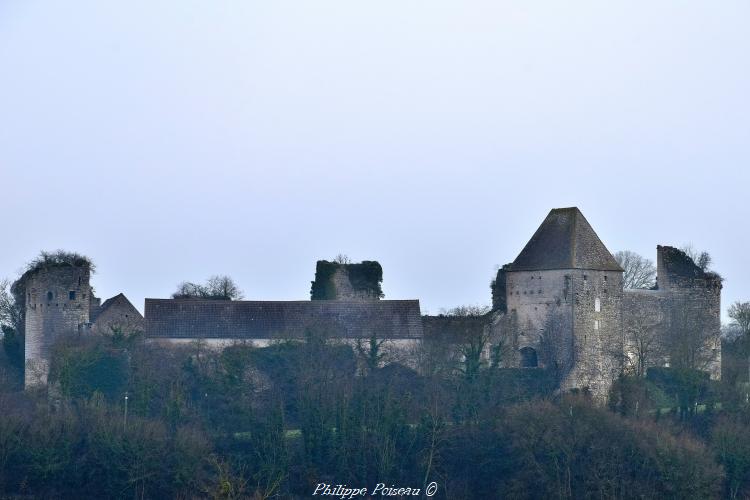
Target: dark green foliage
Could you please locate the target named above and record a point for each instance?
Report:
(688, 387)
(638, 397)
(83, 368)
(730, 438)
(574, 450)
(13, 345)
(367, 276)
(275, 421)
(323, 288)
(91, 454)
(498, 287)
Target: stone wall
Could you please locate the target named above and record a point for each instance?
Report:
(598, 333)
(645, 323)
(115, 314)
(344, 288)
(539, 304)
(679, 323)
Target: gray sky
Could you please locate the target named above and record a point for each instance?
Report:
(174, 140)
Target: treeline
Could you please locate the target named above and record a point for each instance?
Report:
(268, 422)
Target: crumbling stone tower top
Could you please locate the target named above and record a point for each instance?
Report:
(345, 281)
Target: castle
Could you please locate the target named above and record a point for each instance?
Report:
(560, 305)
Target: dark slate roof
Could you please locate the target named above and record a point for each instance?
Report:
(190, 318)
(565, 240)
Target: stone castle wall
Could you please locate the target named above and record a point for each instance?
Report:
(344, 289)
(597, 331)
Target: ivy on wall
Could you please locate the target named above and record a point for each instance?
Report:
(499, 299)
(322, 287)
(367, 276)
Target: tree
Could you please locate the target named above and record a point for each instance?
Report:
(643, 341)
(219, 287)
(342, 258)
(639, 271)
(11, 330)
(371, 351)
(701, 259)
(473, 336)
(224, 287)
(10, 311)
(740, 314)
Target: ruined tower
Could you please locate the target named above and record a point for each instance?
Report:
(339, 281)
(57, 302)
(692, 311)
(564, 291)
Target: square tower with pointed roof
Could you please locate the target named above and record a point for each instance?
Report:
(564, 298)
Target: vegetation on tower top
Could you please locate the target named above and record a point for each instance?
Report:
(49, 260)
(367, 276)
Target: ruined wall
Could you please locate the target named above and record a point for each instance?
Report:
(57, 304)
(679, 323)
(694, 301)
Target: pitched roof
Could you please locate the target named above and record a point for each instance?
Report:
(225, 319)
(107, 303)
(119, 299)
(565, 240)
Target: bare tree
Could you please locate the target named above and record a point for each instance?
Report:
(740, 314)
(459, 340)
(10, 312)
(701, 259)
(223, 286)
(639, 271)
(342, 259)
(473, 333)
(643, 343)
(692, 337)
(467, 311)
(216, 287)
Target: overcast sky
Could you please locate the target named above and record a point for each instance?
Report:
(174, 140)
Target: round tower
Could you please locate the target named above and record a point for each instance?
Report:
(57, 303)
